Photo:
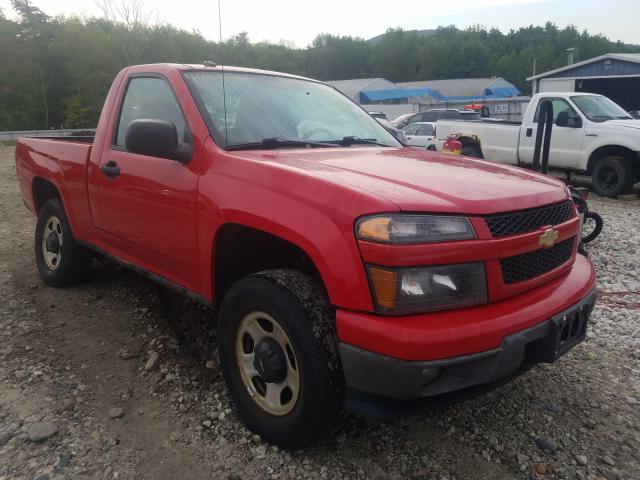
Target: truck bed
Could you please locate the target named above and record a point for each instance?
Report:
(498, 140)
(486, 121)
(62, 161)
(69, 138)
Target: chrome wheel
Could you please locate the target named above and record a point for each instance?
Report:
(267, 363)
(52, 242)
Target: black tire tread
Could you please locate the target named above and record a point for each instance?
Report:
(306, 300)
(625, 170)
(76, 259)
(473, 151)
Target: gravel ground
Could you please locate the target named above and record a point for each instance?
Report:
(115, 379)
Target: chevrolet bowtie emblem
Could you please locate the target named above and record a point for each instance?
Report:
(549, 237)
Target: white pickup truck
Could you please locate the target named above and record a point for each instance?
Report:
(590, 134)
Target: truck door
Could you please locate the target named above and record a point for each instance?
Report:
(566, 138)
(423, 136)
(148, 204)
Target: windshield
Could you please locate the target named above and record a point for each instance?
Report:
(599, 109)
(281, 112)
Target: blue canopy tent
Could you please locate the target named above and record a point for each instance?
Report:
(370, 96)
(397, 93)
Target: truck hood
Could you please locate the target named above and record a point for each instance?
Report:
(635, 124)
(423, 181)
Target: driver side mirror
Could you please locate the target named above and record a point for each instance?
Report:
(156, 138)
(564, 120)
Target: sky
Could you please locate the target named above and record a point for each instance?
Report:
(299, 21)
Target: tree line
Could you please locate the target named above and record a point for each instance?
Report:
(56, 71)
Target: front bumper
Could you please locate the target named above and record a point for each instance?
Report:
(382, 385)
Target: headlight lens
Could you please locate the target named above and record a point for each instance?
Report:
(427, 289)
(403, 228)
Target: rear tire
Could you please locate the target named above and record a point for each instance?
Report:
(612, 176)
(471, 151)
(60, 259)
(295, 400)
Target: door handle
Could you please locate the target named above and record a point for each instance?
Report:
(110, 169)
(529, 132)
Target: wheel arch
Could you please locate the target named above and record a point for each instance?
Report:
(609, 151)
(239, 250)
(471, 141)
(43, 190)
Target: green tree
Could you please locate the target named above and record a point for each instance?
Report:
(57, 70)
(395, 56)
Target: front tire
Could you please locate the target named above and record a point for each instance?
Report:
(278, 352)
(60, 259)
(612, 176)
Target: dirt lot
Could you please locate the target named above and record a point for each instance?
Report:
(108, 380)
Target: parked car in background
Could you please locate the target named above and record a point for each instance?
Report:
(435, 114)
(421, 135)
(381, 118)
(399, 134)
(591, 134)
(400, 122)
(481, 108)
(380, 115)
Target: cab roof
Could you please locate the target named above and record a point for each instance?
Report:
(160, 67)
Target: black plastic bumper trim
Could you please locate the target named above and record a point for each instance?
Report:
(382, 386)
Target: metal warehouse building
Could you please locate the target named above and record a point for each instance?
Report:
(464, 88)
(394, 99)
(372, 91)
(615, 75)
(357, 87)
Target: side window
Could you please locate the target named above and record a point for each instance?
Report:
(410, 130)
(430, 117)
(425, 130)
(151, 98)
(559, 105)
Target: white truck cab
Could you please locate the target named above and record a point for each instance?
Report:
(590, 134)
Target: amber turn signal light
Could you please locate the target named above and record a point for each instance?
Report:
(384, 284)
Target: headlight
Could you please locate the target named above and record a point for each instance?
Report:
(403, 228)
(427, 289)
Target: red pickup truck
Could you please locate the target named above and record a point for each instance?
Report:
(350, 271)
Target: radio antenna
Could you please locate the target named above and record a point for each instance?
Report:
(224, 92)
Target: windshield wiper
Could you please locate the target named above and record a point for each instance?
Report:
(275, 142)
(351, 140)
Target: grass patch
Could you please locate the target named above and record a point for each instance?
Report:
(8, 143)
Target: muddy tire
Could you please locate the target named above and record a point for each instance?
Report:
(60, 259)
(279, 355)
(471, 151)
(612, 176)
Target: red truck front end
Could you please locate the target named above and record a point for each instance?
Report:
(529, 298)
